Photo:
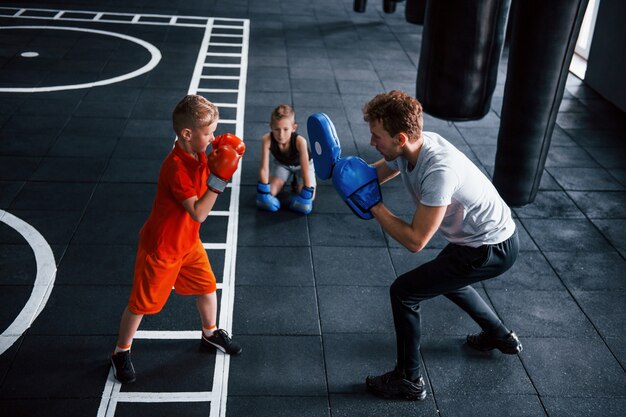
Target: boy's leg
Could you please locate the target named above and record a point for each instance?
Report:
(152, 285)
(211, 335)
(120, 359)
(207, 307)
(276, 185)
(196, 278)
(128, 327)
(279, 175)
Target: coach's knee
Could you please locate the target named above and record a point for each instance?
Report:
(397, 291)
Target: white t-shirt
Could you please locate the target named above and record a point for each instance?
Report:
(444, 176)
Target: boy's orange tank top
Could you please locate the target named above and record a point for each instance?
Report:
(170, 232)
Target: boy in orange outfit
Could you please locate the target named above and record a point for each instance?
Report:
(170, 253)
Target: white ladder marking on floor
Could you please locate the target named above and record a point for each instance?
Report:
(101, 17)
(223, 65)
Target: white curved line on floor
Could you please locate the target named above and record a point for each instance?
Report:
(154, 60)
(44, 280)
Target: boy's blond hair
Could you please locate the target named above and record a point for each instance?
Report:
(398, 112)
(193, 112)
(283, 111)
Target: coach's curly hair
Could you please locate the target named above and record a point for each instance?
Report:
(397, 111)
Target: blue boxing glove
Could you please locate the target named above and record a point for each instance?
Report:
(357, 184)
(264, 200)
(303, 202)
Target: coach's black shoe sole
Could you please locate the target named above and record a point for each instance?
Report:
(484, 342)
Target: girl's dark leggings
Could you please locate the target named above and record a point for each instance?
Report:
(451, 273)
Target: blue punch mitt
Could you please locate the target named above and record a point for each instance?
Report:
(325, 146)
(357, 184)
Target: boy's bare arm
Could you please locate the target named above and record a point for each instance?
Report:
(199, 208)
(301, 145)
(264, 166)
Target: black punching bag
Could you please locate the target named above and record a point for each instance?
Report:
(543, 37)
(360, 6)
(461, 47)
(389, 6)
(414, 11)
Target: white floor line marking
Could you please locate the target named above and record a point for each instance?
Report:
(231, 54)
(219, 213)
(155, 57)
(228, 293)
(219, 77)
(97, 17)
(44, 279)
(165, 397)
(222, 65)
(197, 72)
(109, 388)
(224, 26)
(215, 246)
(229, 35)
(217, 90)
(169, 334)
(231, 45)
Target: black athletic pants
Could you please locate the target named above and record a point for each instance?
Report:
(450, 274)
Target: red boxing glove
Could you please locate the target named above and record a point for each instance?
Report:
(222, 162)
(231, 140)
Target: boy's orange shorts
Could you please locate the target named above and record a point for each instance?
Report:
(154, 279)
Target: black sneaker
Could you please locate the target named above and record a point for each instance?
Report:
(482, 341)
(123, 367)
(221, 340)
(392, 384)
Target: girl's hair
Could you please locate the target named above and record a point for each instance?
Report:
(397, 111)
(193, 112)
(281, 112)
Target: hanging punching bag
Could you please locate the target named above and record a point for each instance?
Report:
(389, 6)
(414, 11)
(360, 5)
(461, 47)
(543, 37)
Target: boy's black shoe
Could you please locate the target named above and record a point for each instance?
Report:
(392, 384)
(221, 340)
(123, 367)
(482, 341)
